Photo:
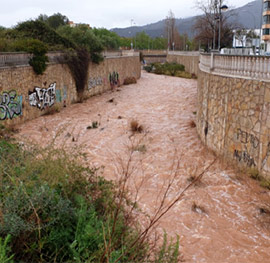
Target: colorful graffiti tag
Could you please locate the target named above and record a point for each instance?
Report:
(94, 82)
(10, 105)
(42, 98)
(114, 79)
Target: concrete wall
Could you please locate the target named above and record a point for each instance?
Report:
(154, 56)
(25, 95)
(233, 117)
(189, 59)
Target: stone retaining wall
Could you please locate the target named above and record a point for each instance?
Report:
(189, 59)
(25, 95)
(233, 118)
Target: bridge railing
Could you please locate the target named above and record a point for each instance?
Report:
(120, 53)
(251, 67)
(184, 53)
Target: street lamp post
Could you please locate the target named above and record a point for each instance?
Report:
(221, 8)
(131, 44)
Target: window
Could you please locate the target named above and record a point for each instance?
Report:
(266, 19)
(266, 6)
(266, 31)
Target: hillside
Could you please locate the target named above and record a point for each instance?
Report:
(249, 16)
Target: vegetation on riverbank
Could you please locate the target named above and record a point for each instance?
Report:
(53, 209)
(169, 69)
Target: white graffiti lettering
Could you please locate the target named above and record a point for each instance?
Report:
(42, 98)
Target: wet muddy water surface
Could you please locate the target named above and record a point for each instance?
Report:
(219, 218)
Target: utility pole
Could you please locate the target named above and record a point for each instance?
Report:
(219, 24)
(131, 44)
(215, 22)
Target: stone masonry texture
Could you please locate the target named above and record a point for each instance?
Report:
(25, 95)
(233, 119)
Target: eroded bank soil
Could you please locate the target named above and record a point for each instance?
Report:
(219, 219)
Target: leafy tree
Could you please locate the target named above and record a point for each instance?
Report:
(125, 42)
(41, 31)
(142, 40)
(83, 37)
(54, 21)
(109, 40)
(159, 43)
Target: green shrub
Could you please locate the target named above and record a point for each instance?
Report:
(168, 68)
(84, 38)
(35, 47)
(158, 68)
(39, 58)
(183, 74)
(169, 252)
(148, 68)
(56, 210)
(39, 30)
(5, 250)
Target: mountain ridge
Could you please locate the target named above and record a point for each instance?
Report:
(249, 16)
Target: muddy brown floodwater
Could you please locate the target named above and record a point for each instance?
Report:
(219, 219)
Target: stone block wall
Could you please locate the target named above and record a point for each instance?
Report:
(233, 119)
(25, 95)
(111, 69)
(189, 59)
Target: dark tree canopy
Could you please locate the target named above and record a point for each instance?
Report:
(54, 21)
(41, 31)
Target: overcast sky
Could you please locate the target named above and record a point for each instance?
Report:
(101, 13)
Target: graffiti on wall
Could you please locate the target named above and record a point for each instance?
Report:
(42, 98)
(10, 105)
(245, 157)
(94, 82)
(58, 95)
(65, 93)
(245, 137)
(114, 78)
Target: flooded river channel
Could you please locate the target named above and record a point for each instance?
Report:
(219, 219)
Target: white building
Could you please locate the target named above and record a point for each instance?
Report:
(244, 38)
